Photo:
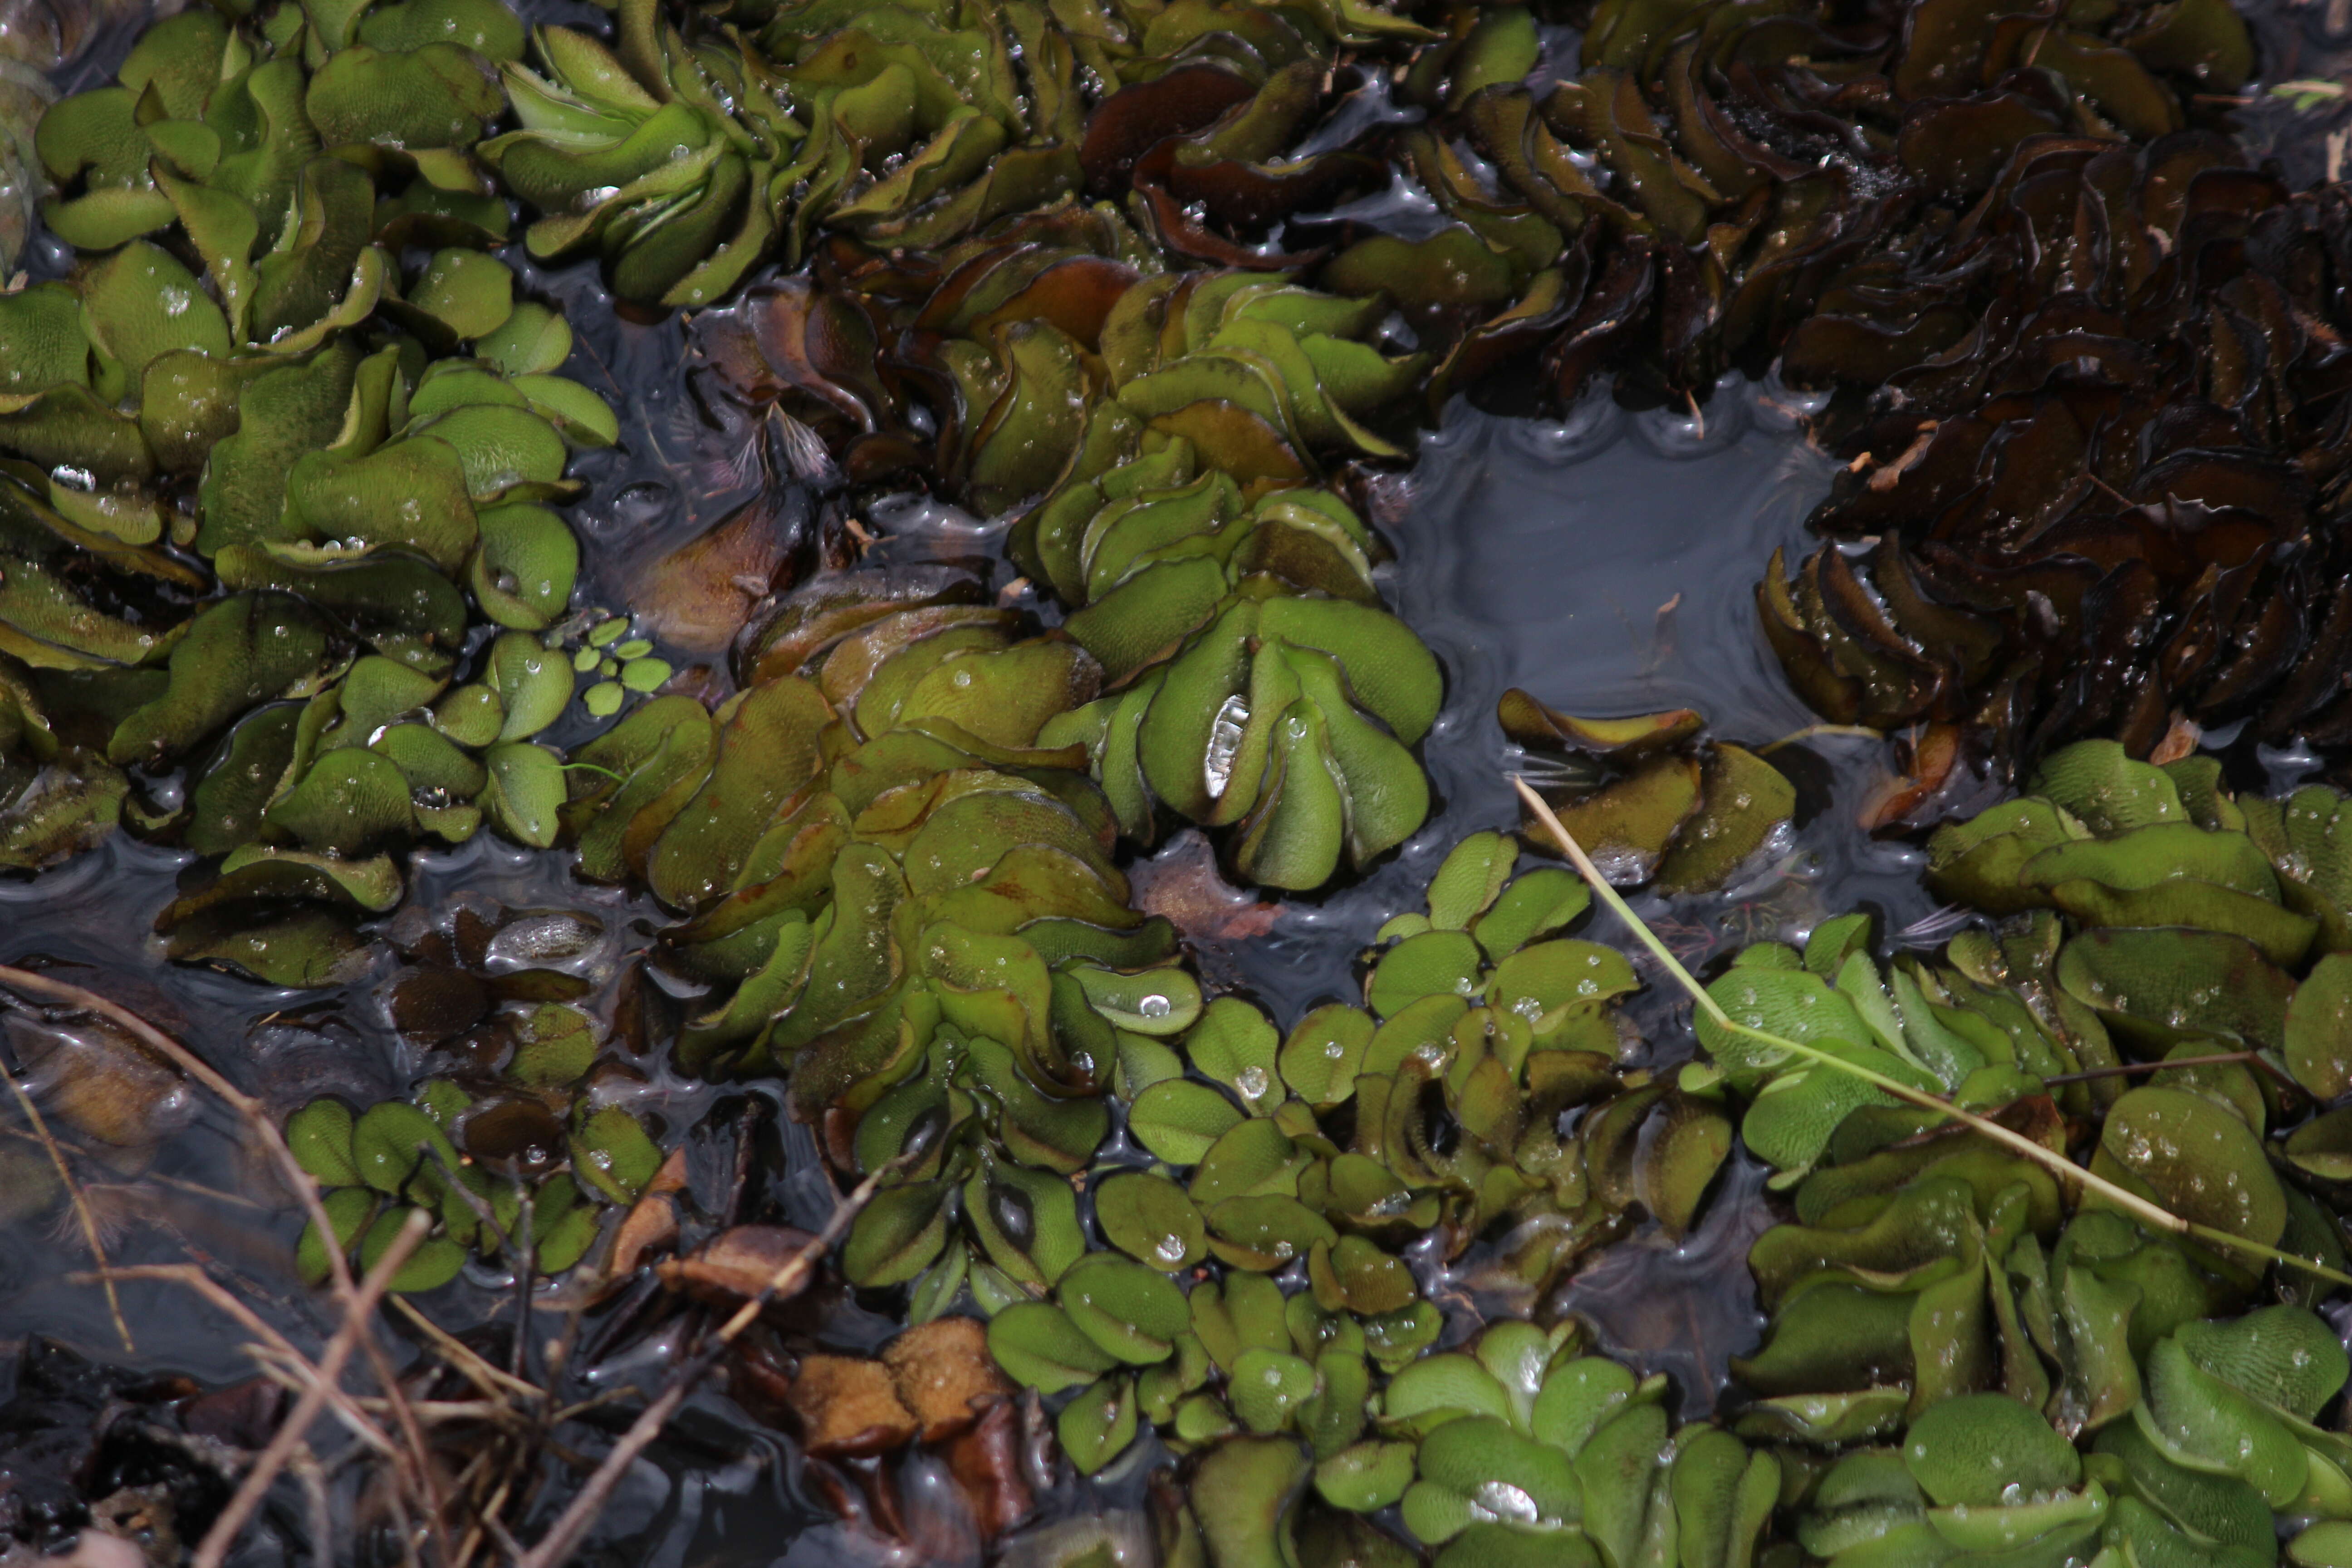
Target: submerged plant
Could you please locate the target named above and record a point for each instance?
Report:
(1653, 803)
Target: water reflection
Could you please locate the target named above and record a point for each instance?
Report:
(1605, 561)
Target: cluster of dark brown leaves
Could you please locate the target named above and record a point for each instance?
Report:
(2112, 504)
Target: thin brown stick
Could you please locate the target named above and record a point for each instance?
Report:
(273, 1346)
(464, 1358)
(289, 1433)
(314, 1494)
(74, 1196)
(2153, 1215)
(2127, 1069)
(298, 1180)
(563, 1536)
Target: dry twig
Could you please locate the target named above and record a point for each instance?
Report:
(412, 1458)
(563, 1536)
(290, 1432)
(2150, 1214)
(74, 1195)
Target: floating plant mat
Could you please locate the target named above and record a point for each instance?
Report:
(782, 685)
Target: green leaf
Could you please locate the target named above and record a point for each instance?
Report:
(434, 1263)
(1325, 1052)
(1973, 1449)
(320, 1136)
(393, 1144)
(1133, 1312)
(897, 1236)
(1236, 1045)
(470, 293)
(1365, 1477)
(1444, 963)
(1241, 1495)
(348, 1212)
(2317, 1035)
(525, 791)
(1268, 1388)
(2197, 1160)
(533, 683)
(533, 340)
(1039, 1348)
(523, 571)
(612, 1152)
(1179, 1120)
(1098, 1425)
(1149, 1218)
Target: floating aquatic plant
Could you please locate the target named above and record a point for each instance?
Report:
(2134, 551)
(1484, 1032)
(254, 508)
(278, 510)
(511, 1146)
(1653, 803)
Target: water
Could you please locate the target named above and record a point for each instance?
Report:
(1605, 561)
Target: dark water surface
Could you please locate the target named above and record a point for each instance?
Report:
(1607, 564)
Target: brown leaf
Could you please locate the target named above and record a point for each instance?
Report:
(1183, 884)
(847, 1406)
(698, 597)
(986, 1463)
(736, 1264)
(945, 1374)
(2180, 740)
(651, 1224)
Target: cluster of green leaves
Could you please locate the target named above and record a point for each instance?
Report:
(877, 849)
(623, 664)
(1952, 1028)
(1964, 1363)
(1653, 801)
(1933, 1290)
(684, 161)
(1523, 1448)
(2203, 920)
(891, 849)
(2151, 915)
(1436, 1111)
(1260, 685)
(401, 1155)
(250, 514)
(1159, 438)
(512, 1116)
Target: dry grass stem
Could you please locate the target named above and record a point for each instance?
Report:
(465, 1359)
(298, 1180)
(80, 1201)
(289, 1436)
(2056, 1163)
(563, 1536)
